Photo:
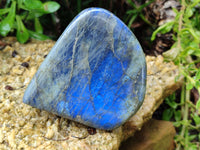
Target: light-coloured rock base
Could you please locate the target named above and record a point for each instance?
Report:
(25, 127)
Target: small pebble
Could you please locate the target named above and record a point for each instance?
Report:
(8, 87)
(91, 131)
(45, 56)
(25, 64)
(14, 53)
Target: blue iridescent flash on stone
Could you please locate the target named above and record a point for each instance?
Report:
(95, 74)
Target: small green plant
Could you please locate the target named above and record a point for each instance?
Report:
(18, 12)
(185, 53)
(173, 111)
(136, 12)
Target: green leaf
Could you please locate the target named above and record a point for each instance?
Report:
(187, 51)
(163, 29)
(19, 4)
(192, 146)
(131, 11)
(38, 36)
(172, 97)
(197, 84)
(132, 20)
(171, 54)
(196, 119)
(4, 11)
(50, 7)
(189, 12)
(132, 4)
(198, 75)
(33, 4)
(184, 122)
(146, 4)
(189, 86)
(177, 115)
(192, 31)
(167, 114)
(7, 23)
(177, 124)
(192, 137)
(172, 104)
(22, 32)
(33, 14)
(38, 26)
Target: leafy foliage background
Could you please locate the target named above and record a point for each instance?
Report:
(36, 19)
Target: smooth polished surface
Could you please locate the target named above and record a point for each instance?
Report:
(95, 74)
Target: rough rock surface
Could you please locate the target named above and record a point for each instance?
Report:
(25, 127)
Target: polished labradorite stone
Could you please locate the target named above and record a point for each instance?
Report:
(95, 74)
